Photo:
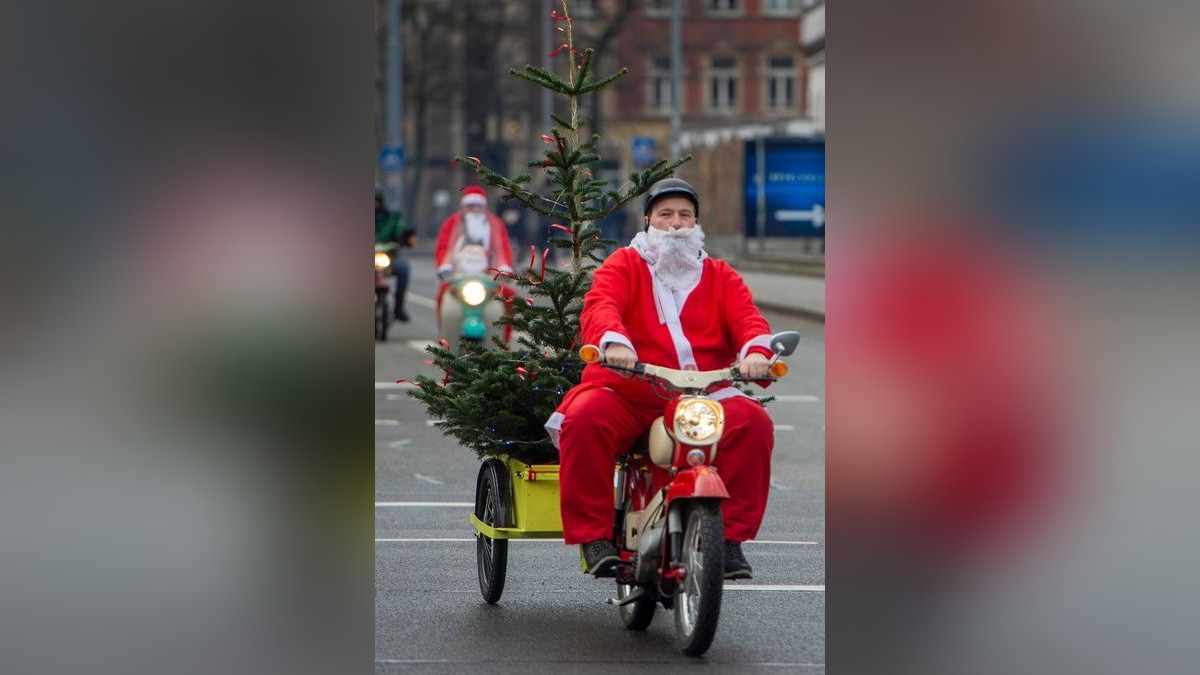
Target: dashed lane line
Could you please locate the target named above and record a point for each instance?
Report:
(395, 385)
(386, 505)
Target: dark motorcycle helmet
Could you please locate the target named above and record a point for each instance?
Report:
(668, 187)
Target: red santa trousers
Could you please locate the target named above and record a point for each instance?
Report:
(599, 425)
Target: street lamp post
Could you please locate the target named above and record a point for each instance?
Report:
(393, 178)
(676, 75)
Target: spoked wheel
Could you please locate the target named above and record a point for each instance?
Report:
(638, 614)
(490, 507)
(698, 597)
(381, 317)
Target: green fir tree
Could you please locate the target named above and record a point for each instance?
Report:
(495, 400)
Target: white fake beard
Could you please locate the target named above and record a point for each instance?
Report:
(678, 262)
(476, 226)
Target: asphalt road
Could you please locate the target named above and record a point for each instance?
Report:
(430, 618)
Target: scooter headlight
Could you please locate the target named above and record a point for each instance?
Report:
(699, 421)
(474, 293)
(382, 260)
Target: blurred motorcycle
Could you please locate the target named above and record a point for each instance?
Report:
(470, 305)
(383, 289)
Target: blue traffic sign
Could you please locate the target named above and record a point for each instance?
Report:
(643, 150)
(794, 182)
(391, 157)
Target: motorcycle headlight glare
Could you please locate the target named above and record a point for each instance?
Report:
(699, 421)
(382, 260)
(474, 293)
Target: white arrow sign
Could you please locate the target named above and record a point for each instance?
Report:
(816, 215)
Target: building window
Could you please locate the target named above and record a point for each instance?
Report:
(779, 83)
(781, 7)
(584, 8)
(722, 85)
(724, 7)
(658, 81)
(658, 7)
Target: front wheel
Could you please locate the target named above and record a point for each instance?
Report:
(698, 597)
(491, 554)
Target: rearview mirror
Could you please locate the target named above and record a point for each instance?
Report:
(785, 343)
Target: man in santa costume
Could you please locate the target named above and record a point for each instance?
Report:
(472, 224)
(662, 300)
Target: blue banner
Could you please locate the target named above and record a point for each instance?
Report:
(795, 188)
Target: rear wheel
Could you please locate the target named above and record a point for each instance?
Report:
(381, 316)
(638, 614)
(490, 507)
(698, 597)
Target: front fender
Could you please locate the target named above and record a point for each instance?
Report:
(698, 481)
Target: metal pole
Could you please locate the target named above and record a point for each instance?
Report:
(760, 179)
(676, 74)
(394, 179)
(546, 49)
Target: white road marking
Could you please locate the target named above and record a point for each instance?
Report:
(772, 664)
(423, 504)
(400, 443)
(406, 540)
(417, 540)
(421, 300)
(797, 398)
(784, 427)
(775, 587)
(395, 385)
(396, 397)
(779, 486)
(427, 479)
(469, 504)
(387, 423)
(420, 345)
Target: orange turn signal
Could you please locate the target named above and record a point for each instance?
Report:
(589, 353)
(778, 369)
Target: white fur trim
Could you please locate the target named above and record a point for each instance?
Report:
(615, 338)
(477, 200)
(763, 341)
(726, 393)
(553, 427)
(670, 313)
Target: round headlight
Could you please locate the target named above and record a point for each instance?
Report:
(698, 420)
(474, 293)
(382, 260)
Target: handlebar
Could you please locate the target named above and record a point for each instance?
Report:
(682, 379)
(648, 370)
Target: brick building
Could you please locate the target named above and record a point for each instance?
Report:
(743, 75)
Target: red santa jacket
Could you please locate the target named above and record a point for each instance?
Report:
(716, 326)
(450, 236)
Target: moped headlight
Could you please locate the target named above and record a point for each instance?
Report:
(474, 293)
(699, 421)
(382, 260)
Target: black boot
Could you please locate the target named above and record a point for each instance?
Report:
(736, 565)
(601, 557)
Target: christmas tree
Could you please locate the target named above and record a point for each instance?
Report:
(495, 398)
